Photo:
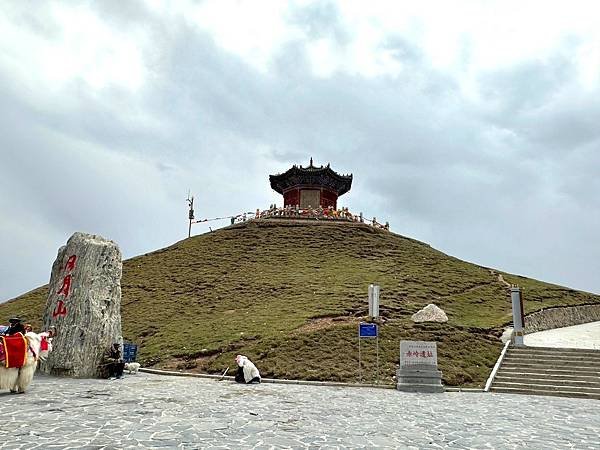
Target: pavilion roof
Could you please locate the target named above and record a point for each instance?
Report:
(323, 176)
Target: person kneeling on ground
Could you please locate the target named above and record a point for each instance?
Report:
(247, 372)
(114, 361)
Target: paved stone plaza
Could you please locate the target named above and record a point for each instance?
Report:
(586, 335)
(155, 411)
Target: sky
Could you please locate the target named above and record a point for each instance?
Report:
(472, 126)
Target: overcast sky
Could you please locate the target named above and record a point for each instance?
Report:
(472, 126)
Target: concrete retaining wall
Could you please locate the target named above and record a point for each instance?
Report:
(558, 317)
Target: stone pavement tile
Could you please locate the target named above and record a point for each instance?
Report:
(141, 435)
(152, 411)
(56, 446)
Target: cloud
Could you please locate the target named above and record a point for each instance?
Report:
(490, 160)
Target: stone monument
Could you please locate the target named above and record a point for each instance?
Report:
(418, 370)
(84, 304)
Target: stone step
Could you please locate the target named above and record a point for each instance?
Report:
(593, 376)
(573, 356)
(563, 367)
(547, 387)
(548, 357)
(554, 349)
(568, 351)
(589, 351)
(587, 382)
(549, 372)
(559, 368)
(549, 362)
(520, 356)
(560, 393)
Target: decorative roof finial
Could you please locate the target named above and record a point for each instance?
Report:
(311, 162)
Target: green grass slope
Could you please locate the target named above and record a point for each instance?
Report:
(290, 294)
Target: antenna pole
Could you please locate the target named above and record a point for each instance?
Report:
(190, 201)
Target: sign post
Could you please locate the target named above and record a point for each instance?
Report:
(367, 331)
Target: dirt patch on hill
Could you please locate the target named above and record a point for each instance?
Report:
(321, 323)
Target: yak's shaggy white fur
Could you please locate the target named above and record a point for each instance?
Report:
(18, 379)
(132, 367)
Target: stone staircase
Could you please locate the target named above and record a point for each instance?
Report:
(562, 372)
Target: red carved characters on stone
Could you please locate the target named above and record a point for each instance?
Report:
(60, 310)
(66, 286)
(65, 289)
(71, 263)
(420, 354)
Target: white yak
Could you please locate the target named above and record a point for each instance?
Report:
(17, 379)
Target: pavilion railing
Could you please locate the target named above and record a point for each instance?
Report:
(295, 212)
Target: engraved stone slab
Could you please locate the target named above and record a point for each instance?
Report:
(418, 367)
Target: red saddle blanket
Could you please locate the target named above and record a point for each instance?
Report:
(13, 350)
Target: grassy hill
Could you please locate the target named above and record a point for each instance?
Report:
(290, 294)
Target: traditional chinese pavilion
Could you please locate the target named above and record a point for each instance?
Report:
(311, 186)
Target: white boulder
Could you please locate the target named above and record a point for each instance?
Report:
(430, 313)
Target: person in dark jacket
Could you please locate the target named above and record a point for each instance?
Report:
(114, 361)
(15, 327)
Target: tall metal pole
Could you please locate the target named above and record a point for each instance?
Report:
(191, 213)
(377, 379)
(359, 365)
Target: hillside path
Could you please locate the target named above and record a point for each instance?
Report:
(153, 411)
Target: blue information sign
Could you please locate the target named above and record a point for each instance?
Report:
(367, 330)
(129, 352)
